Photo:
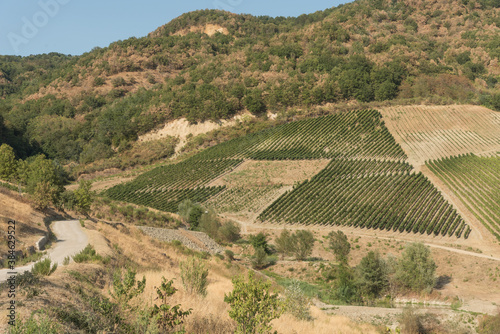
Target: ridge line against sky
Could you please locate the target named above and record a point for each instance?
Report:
(76, 26)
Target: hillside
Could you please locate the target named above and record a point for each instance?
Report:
(213, 65)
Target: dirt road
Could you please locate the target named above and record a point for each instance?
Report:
(70, 240)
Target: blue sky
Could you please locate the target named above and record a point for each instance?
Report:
(76, 26)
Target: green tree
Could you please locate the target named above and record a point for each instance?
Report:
(259, 241)
(8, 164)
(254, 102)
(303, 242)
(42, 178)
(253, 306)
(416, 268)
(190, 212)
(340, 246)
(84, 197)
(372, 275)
(284, 243)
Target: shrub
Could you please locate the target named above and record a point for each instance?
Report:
(194, 276)
(489, 324)
(166, 316)
(253, 306)
(36, 323)
(44, 268)
(125, 287)
(297, 303)
(372, 275)
(229, 254)
(88, 254)
(229, 232)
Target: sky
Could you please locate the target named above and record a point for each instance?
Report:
(76, 26)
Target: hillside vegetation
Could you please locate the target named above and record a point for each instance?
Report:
(213, 64)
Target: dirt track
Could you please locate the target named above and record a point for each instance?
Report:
(70, 240)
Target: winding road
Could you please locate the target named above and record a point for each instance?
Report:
(70, 240)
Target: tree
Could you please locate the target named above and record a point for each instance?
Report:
(190, 212)
(8, 164)
(303, 242)
(284, 243)
(372, 275)
(254, 102)
(259, 241)
(340, 246)
(84, 197)
(416, 268)
(253, 306)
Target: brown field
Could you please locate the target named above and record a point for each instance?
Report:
(432, 132)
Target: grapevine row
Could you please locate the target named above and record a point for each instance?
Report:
(476, 181)
(398, 202)
(353, 134)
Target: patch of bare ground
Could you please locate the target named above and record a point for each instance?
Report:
(432, 132)
(253, 172)
(30, 226)
(181, 128)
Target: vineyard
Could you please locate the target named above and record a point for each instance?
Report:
(368, 194)
(476, 181)
(355, 134)
(433, 132)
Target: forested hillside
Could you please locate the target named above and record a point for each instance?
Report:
(214, 64)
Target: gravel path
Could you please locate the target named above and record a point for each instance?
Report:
(197, 241)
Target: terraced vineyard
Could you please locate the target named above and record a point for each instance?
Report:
(183, 175)
(368, 194)
(367, 183)
(355, 134)
(476, 181)
(165, 200)
(432, 132)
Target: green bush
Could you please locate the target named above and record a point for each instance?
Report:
(194, 276)
(253, 306)
(88, 254)
(37, 323)
(44, 268)
(416, 269)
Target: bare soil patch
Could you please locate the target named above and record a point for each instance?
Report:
(255, 173)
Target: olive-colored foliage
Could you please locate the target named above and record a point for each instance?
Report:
(299, 244)
(340, 246)
(8, 163)
(372, 275)
(416, 269)
(252, 304)
(84, 196)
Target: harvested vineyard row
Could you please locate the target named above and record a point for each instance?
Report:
(476, 181)
(432, 132)
(166, 200)
(183, 175)
(353, 134)
(400, 202)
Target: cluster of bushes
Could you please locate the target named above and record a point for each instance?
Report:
(206, 220)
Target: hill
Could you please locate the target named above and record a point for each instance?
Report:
(214, 64)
